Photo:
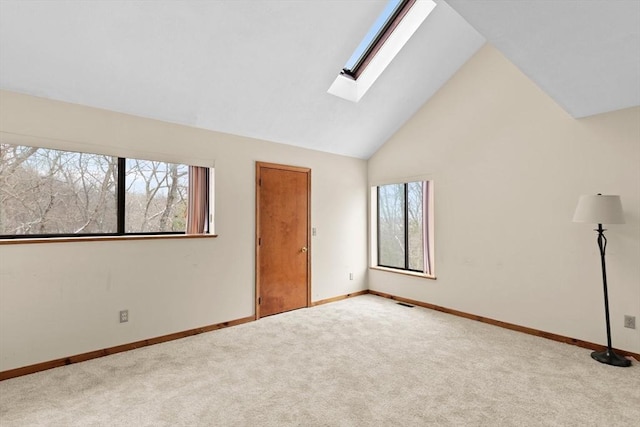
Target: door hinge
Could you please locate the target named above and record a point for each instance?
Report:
(259, 241)
(259, 300)
(260, 182)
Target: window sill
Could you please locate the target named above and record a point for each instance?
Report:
(407, 273)
(27, 241)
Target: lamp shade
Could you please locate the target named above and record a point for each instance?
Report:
(599, 209)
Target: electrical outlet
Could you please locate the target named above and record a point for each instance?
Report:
(630, 322)
(350, 276)
(124, 316)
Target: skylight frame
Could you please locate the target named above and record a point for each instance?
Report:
(391, 23)
(353, 90)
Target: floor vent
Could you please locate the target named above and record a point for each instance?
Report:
(404, 304)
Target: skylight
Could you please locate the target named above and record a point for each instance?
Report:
(389, 33)
(375, 37)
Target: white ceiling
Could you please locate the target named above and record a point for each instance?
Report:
(254, 68)
(262, 68)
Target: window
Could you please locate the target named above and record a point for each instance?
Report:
(156, 196)
(404, 226)
(54, 193)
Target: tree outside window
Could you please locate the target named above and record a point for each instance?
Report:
(47, 192)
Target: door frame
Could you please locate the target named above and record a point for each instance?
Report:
(259, 166)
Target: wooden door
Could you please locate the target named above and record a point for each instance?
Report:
(282, 238)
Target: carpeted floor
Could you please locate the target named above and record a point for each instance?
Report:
(364, 361)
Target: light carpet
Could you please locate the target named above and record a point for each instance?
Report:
(364, 361)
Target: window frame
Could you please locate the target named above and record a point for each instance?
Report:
(428, 270)
(120, 190)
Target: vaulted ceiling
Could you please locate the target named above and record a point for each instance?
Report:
(584, 53)
(262, 68)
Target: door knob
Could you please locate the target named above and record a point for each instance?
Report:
(304, 249)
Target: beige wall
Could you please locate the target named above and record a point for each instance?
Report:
(508, 166)
(61, 299)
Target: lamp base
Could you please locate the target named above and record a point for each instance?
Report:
(610, 358)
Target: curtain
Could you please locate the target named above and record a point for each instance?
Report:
(198, 201)
(425, 227)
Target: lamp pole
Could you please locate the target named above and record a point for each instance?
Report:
(602, 244)
(608, 356)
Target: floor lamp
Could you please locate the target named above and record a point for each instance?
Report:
(600, 210)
